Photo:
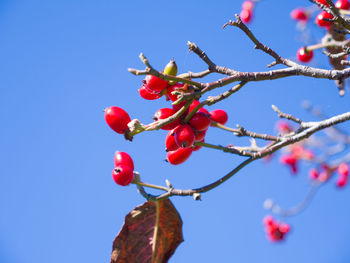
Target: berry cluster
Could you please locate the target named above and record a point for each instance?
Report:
(296, 152)
(325, 172)
(247, 11)
(322, 19)
(123, 172)
(182, 134)
(275, 231)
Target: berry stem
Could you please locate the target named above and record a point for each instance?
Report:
(328, 44)
(151, 185)
(301, 206)
(193, 112)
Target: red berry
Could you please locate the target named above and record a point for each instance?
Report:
(283, 127)
(194, 104)
(291, 161)
(342, 4)
(324, 2)
(313, 174)
(117, 119)
(170, 143)
(342, 180)
(147, 94)
(308, 155)
(122, 175)
(246, 15)
(219, 116)
(275, 231)
(343, 169)
(179, 106)
(323, 23)
(248, 5)
(200, 121)
(268, 220)
(284, 228)
(304, 56)
(324, 176)
(288, 159)
(204, 111)
(179, 156)
(172, 88)
(299, 14)
(297, 150)
(199, 135)
(184, 136)
(155, 84)
(163, 114)
(123, 158)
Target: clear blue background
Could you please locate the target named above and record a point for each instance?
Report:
(63, 62)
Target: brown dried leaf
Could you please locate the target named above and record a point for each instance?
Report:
(134, 241)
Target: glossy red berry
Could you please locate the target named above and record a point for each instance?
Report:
(164, 113)
(117, 119)
(199, 135)
(179, 106)
(184, 136)
(147, 94)
(324, 2)
(170, 143)
(246, 15)
(219, 116)
(194, 104)
(299, 14)
(122, 175)
(179, 156)
(248, 5)
(172, 88)
(200, 121)
(320, 19)
(123, 158)
(342, 4)
(155, 84)
(304, 56)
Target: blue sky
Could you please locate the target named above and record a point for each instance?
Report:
(63, 62)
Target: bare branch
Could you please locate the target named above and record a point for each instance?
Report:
(285, 115)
